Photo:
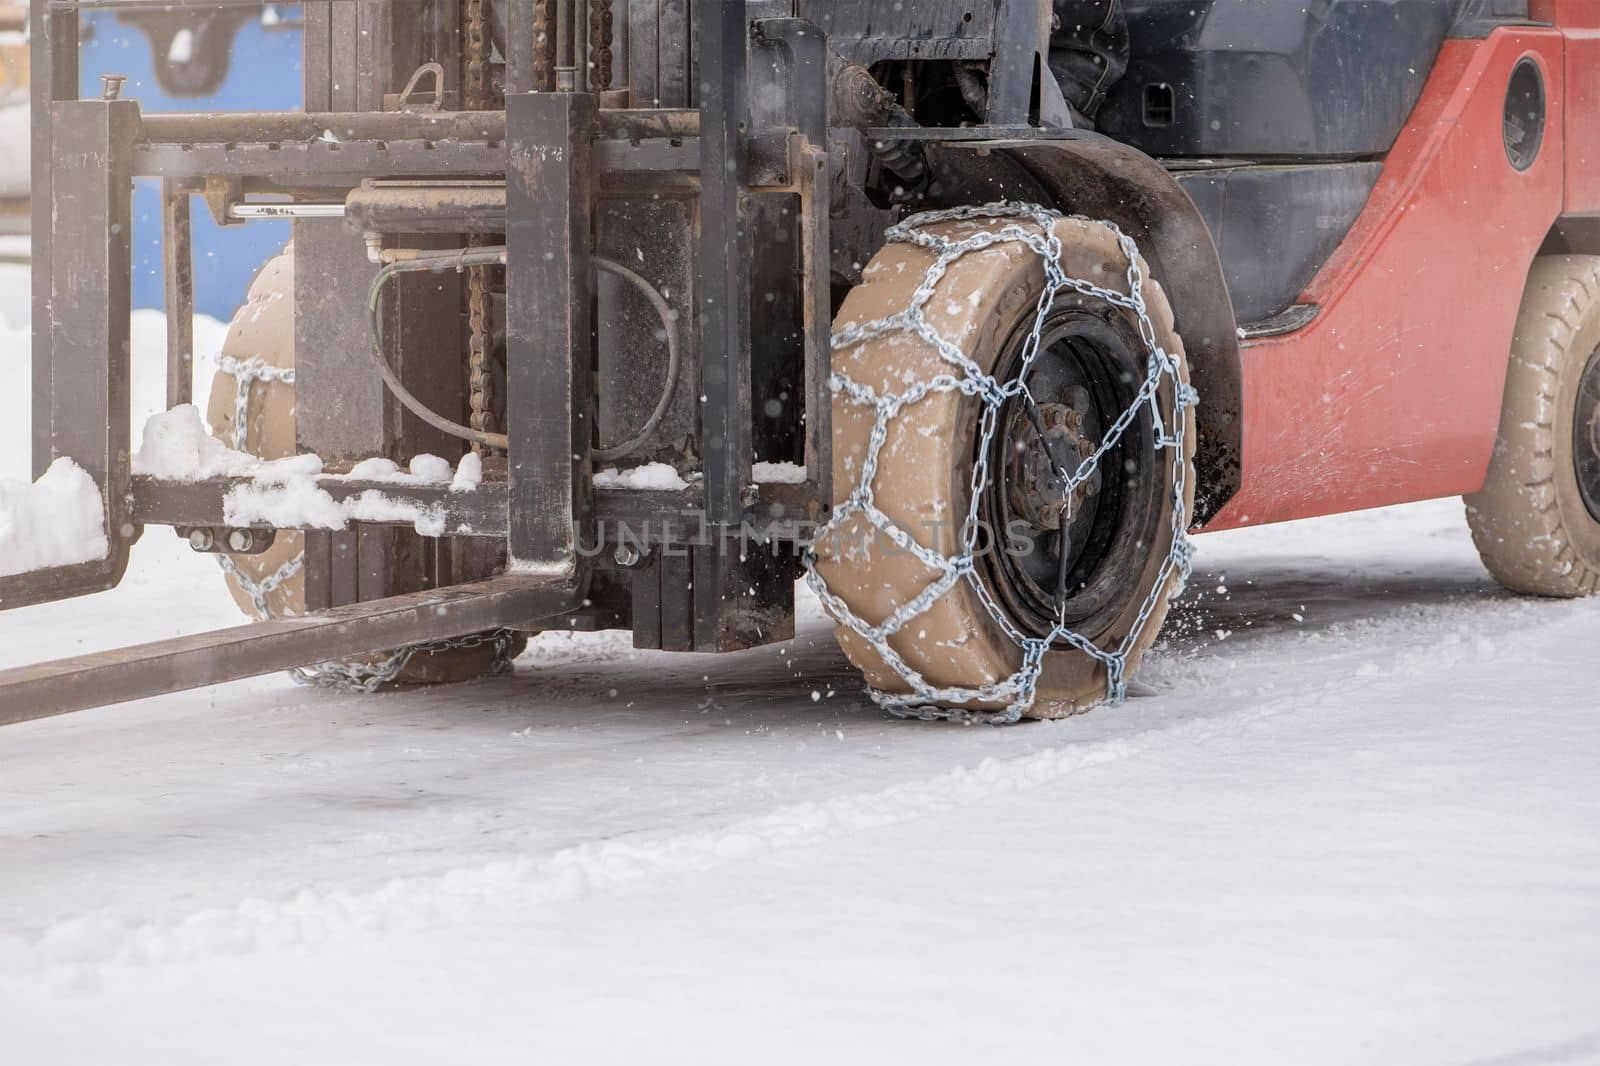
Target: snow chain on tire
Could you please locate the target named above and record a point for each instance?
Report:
(1033, 227)
(245, 418)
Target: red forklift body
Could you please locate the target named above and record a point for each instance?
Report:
(601, 243)
(1392, 392)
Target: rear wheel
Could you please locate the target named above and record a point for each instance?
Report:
(252, 409)
(1536, 522)
(1098, 552)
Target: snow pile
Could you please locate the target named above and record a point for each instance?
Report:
(285, 492)
(651, 477)
(425, 470)
(148, 373)
(57, 520)
(469, 474)
(374, 506)
(662, 477)
(376, 469)
(293, 503)
(431, 468)
(177, 447)
(779, 474)
(298, 503)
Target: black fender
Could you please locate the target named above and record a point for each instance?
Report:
(1084, 173)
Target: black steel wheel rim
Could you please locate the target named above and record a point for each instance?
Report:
(1090, 357)
(1586, 435)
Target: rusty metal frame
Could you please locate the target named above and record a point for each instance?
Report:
(553, 151)
(72, 684)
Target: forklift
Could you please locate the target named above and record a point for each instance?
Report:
(967, 312)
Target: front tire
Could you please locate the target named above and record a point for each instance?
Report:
(985, 303)
(1536, 522)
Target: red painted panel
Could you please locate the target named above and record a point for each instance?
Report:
(1579, 20)
(1393, 392)
(1583, 115)
(1567, 14)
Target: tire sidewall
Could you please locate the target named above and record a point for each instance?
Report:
(1071, 681)
(1529, 521)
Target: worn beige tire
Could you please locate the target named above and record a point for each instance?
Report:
(263, 328)
(1530, 522)
(927, 460)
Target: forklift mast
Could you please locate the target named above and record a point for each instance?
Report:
(629, 158)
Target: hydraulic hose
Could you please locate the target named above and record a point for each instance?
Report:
(664, 312)
(460, 259)
(417, 262)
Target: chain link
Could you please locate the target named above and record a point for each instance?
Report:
(258, 591)
(368, 677)
(246, 372)
(356, 675)
(480, 383)
(479, 318)
(600, 30)
(1033, 227)
(544, 45)
(476, 81)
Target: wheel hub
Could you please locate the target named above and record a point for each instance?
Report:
(1072, 558)
(1042, 457)
(1586, 436)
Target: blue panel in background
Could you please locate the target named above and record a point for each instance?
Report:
(264, 76)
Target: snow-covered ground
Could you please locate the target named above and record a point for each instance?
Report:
(1357, 821)
(15, 174)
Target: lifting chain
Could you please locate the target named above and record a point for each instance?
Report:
(479, 324)
(600, 36)
(475, 83)
(1033, 227)
(479, 318)
(544, 45)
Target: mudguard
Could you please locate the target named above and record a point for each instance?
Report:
(1083, 173)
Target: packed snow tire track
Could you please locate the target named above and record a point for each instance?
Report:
(1353, 820)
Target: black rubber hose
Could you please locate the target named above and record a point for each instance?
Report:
(664, 312)
(436, 261)
(430, 262)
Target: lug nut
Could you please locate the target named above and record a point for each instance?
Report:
(241, 540)
(201, 539)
